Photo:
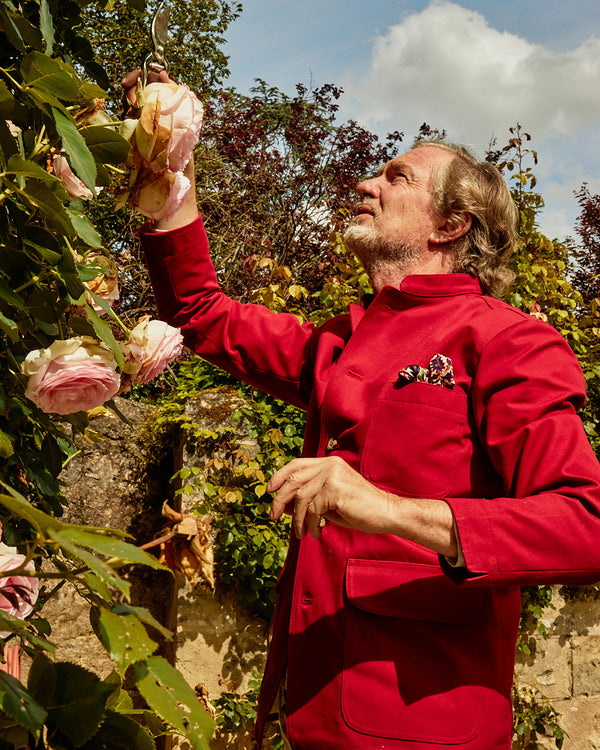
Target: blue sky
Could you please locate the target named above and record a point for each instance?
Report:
(474, 68)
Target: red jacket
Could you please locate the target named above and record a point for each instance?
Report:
(386, 646)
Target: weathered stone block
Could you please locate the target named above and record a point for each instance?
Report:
(586, 665)
(549, 669)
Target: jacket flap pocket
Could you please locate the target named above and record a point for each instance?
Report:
(412, 591)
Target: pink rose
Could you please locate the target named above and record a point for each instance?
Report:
(151, 346)
(73, 375)
(73, 185)
(18, 593)
(169, 126)
(158, 195)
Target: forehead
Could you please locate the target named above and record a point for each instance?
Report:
(419, 162)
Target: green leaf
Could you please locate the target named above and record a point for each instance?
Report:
(19, 704)
(109, 546)
(6, 446)
(137, 4)
(29, 169)
(142, 614)
(124, 637)
(169, 695)
(74, 144)
(83, 227)
(78, 706)
(105, 334)
(119, 732)
(41, 680)
(9, 327)
(107, 146)
(101, 569)
(20, 33)
(41, 197)
(47, 26)
(7, 101)
(16, 503)
(22, 629)
(46, 74)
(11, 297)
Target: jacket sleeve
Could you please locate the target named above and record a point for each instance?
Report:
(526, 393)
(265, 349)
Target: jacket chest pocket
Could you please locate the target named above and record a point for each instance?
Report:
(415, 439)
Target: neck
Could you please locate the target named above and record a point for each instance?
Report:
(393, 274)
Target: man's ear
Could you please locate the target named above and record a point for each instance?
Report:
(455, 226)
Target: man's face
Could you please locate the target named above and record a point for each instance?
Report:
(395, 217)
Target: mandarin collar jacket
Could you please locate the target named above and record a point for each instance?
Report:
(385, 645)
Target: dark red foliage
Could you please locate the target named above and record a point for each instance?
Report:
(587, 253)
(277, 177)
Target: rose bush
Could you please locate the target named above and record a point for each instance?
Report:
(70, 376)
(151, 346)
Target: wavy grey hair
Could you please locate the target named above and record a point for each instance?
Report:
(466, 184)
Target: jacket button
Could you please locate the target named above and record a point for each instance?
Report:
(332, 444)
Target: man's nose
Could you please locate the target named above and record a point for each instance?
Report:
(368, 188)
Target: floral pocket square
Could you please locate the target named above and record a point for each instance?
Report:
(439, 372)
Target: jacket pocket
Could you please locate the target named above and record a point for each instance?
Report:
(414, 661)
(414, 439)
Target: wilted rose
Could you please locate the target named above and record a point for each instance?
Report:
(168, 127)
(18, 593)
(159, 195)
(73, 185)
(94, 114)
(151, 346)
(105, 285)
(72, 375)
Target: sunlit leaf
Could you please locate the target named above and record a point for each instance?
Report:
(107, 146)
(105, 334)
(84, 228)
(47, 26)
(47, 74)
(74, 144)
(169, 695)
(124, 637)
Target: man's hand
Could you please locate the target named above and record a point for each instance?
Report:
(310, 489)
(129, 82)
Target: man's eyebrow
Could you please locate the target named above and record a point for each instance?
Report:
(397, 165)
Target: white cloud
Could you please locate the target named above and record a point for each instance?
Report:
(445, 65)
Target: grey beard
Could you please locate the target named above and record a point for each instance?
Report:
(376, 252)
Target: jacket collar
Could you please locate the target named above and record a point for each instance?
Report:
(417, 289)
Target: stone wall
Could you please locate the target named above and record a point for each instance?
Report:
(565, 666)
(112, 482)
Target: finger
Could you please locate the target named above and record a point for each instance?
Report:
(307, 508)
(314, 521)
(293, 466)
(131, 79)
(288, 481)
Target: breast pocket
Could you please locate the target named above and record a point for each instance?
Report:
(414, 439)
(414, 663)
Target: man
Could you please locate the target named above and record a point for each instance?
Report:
(444, 463)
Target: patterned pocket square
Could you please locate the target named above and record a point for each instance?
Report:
(439, 372)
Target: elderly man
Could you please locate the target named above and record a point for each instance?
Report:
(444, 462)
